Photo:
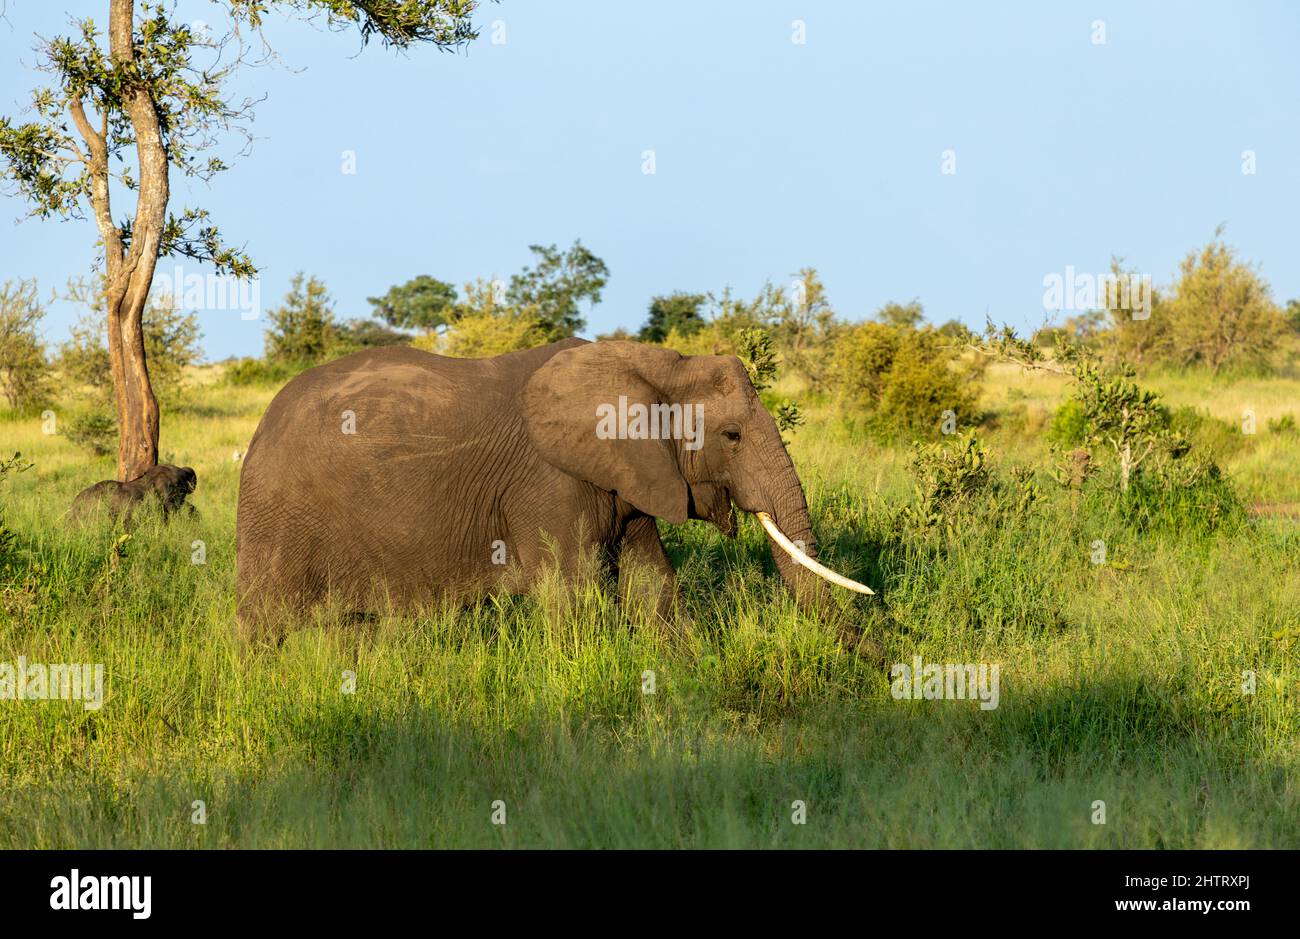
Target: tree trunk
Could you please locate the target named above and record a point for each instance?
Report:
(130, 272)
(137, 407)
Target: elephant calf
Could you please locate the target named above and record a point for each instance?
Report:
(169, 485)
(394, 477)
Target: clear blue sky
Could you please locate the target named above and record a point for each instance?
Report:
(769, 155)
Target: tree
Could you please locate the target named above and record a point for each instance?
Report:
(369, 334)
(678, 310)
(137, 86)
(172, 342)
(1120, 413)
(1115, 410)
(803, 316)
(424, 303)
(303, 331)
(557, 283)
(24, 370)
(905, 315)
(1292, 315)
(1222, 312)
(1129, 339)
(955, 330)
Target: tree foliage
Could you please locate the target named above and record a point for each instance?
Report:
(1292, 315)
(903, 315)
(360, 333)
(678, 312)
(485, 325)
(303, 329)
(1121, 414)
(1222, 312)
(1218, 313)
(423, 303)
(901, 379)
(24, 369)
(557, 284)
(127, 105)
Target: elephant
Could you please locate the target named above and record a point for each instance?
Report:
(396, 478)
(170, 485)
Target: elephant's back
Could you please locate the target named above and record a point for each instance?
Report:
(355, 424)
(387, 393)
(371, 446)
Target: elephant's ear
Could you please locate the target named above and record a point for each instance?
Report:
(571, 404)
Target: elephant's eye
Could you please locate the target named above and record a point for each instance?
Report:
(732, 435)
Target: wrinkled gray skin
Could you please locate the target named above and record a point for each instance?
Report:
(451, 458)
(168, 485)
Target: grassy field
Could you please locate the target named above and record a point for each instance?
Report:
(1120, 682)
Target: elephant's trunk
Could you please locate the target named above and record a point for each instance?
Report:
(794, 548)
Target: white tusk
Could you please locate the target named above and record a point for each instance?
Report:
(821, 570)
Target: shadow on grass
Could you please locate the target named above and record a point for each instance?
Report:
(878, 773)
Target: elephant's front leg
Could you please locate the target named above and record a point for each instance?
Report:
(647, 583)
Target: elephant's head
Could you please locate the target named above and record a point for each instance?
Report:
(171, 484)
(677, 437)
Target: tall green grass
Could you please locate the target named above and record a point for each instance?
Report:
(1120, 682)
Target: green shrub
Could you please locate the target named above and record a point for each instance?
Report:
(95, 430)
(901, 379)
(357, 334)
(1218, 438)
(947, 475)
(303, 328)
(955, 479)
(1069, 426)
(1283, 426)
(756, 350)
(483, 334)
(1189, 495)
(25, 379)
(8, 537)
(255, 372)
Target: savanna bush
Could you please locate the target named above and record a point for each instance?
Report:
(1285, 425)
(1164, 472)
(1222, 313)
(976, 553)
(8, 537)
(25, 374)
(955, 480)
(719, 336)
(259, 372)
(357, 334)
(1187, 495)
(93, 428)
(342, 339)
(1069, 425)
(899, 380)
(303, 329)
(483, 334)
(1209, 435)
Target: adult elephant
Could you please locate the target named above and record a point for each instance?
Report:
(397, 478)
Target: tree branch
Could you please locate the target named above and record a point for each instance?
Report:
(97, 167)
